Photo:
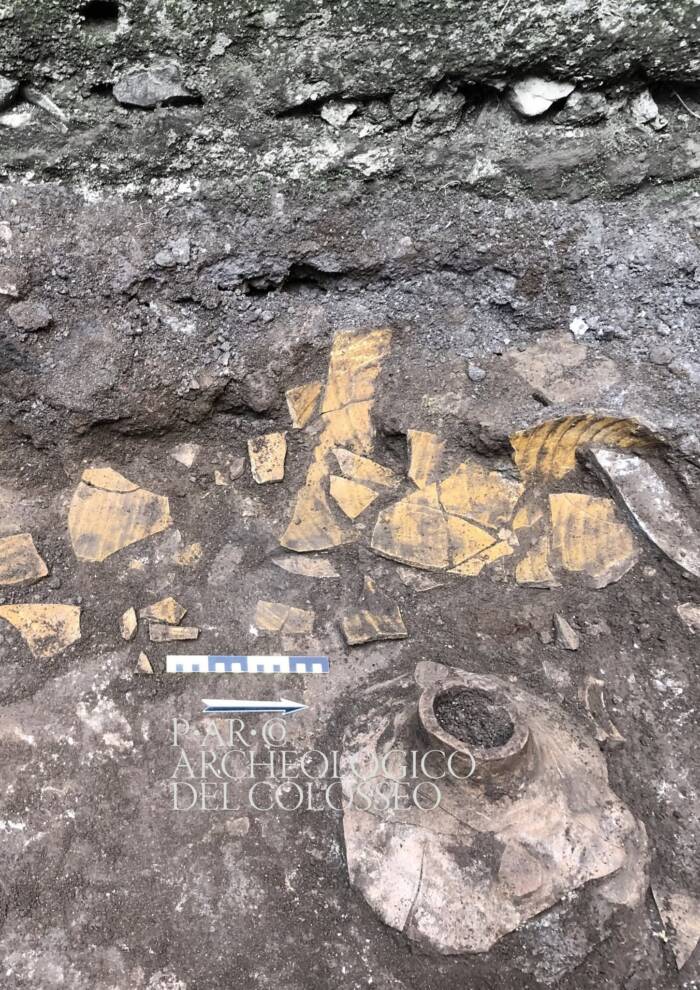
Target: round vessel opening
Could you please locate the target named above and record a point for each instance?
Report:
(473, 716)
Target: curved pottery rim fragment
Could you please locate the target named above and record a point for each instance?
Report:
(486, 761)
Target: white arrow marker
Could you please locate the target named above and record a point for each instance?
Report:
(229, 705)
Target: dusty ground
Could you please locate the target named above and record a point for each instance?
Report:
(197, 260)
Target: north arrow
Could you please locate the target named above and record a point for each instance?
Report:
(225, 706)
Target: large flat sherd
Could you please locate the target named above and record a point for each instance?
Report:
(660, 512)
(46, 629)
(589, 539)
(108, 512)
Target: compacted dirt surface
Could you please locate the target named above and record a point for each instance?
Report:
(175, 256)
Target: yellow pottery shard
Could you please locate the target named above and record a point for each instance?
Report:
(160, 632)
(107, 517)
(108, 479)
(19, 560)
(379, 618)
(46, 629)
(355, 363)
(301, 402)
(354, 366)
(534, 569)
(475, 565)
(352, 497)
(527, 516)
(420, 531)
(415, 531)
(128, 624)
(425, 453)
(270, 616)
(143, 664)
(549, 450)
(278, 617)
(487, 497)
(267, 455)
(588, 538)
(466, 539)
(363, 469)
(166, 610)
(313, 525)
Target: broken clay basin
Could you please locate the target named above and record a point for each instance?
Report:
(532, 825)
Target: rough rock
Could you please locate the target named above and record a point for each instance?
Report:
(533, 95)
(338, 114)
(583, 109)
(566, 636)
(685, 367)
(562, 371)
(578, 327)
(158, 84)
(186, 453)
(30, 315)
(690, 614)
(177, 252)
(644, 109)
(680, 913)
(8, 91)
(14, 280)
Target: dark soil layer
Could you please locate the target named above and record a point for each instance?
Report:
(470, 715)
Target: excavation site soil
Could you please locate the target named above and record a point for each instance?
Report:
(345, 384)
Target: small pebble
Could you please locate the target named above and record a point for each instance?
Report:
(578, 327)
(475, 373)
(660, 355)
(566, 636)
